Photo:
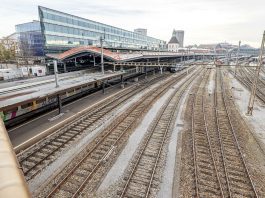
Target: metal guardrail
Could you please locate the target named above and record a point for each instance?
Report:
(12, 183)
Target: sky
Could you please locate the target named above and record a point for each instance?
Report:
(204, 21)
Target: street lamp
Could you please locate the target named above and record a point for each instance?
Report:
(101, 46)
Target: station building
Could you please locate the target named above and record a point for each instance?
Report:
(57, 32)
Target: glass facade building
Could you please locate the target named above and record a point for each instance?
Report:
(30, 39)
(63, 31)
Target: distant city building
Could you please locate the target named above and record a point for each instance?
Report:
(230, 48)
(248, 50)
(141, 31)
(180, 36)
(10, 42)
(30, 39)
(173, 43)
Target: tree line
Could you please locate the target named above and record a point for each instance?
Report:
(6, 54)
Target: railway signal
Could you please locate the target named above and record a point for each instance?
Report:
(254, 85)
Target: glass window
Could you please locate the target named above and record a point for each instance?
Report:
(80, 23)
(70, 30)
(57, 18)
(64, 20)
(75, 31)
(64, 30)
(45, 15)
(75, 22)
(69, 21)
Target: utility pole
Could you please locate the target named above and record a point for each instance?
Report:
(254, 85)
(57, 85)
(215, 55)
(102, 59)
(238, 49)
(55, 73)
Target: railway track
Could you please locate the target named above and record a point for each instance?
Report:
(142, 177)
(207, 179)
(246, 79)
(41, 154)
(79, 176)
(238, 179)
(220, 169)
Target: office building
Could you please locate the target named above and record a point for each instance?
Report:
(180, 36)
(57, 32)
(141, 31)
(63, 31)
(30, 39)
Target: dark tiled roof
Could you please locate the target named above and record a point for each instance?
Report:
(173, 40)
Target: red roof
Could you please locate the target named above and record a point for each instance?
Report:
(96, 50)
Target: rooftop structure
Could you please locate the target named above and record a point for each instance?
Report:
(179, 34)
(141, 31)
(173, 43)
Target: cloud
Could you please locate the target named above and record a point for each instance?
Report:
(203, 20)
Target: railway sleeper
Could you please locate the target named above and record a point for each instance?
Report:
(241, 192)
(67, 136)
(210, 185)
(96, 156)
(104, 148)
(33, 160)
(82, 173)
(206, 169)
(100, 152)
(40, 155)
(88, 166)
(203, 146)
(64, 192)
(239, 179)
(154, 144)
(150, 153)
(234, 158)
(137, 187)
(211, 194)
(203, 162)
(202, 151)
(46, 150)
(145, 167)
(75, 179)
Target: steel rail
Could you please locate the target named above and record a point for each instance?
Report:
(194, 148)
(219, 137)
(194, 151)
(73, 126)
(159, 92)
(211, 149)
(247, 83)
(234, 135)
(98, 110)
(157, 121)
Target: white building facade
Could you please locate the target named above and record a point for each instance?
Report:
(173, 44)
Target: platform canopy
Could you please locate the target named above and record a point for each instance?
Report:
(109, 55)
(121, 56)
